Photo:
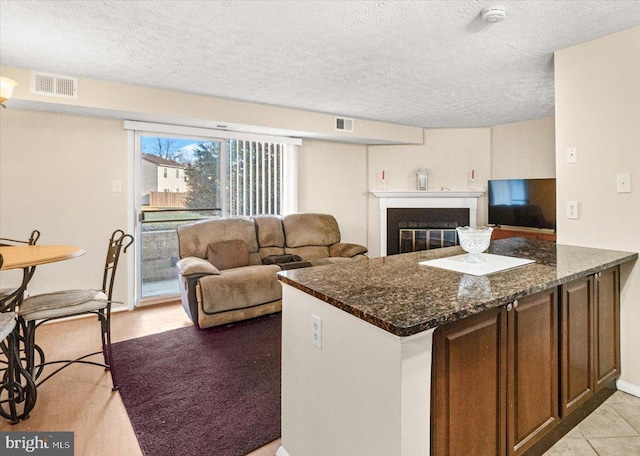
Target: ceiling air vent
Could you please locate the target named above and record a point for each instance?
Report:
(344, 124)
(54, 85)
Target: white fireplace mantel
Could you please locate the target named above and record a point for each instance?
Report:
(424, 199)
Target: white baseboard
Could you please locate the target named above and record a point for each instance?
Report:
(282, 452)
(628, 388)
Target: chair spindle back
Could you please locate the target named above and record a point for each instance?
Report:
(119, 239)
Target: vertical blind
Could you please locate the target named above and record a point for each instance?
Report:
(254, 177)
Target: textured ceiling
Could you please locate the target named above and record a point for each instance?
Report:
(425, 63)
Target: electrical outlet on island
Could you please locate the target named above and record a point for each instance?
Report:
(316, 331)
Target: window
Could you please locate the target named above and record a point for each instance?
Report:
(239, 177)
(177, 173)
(166, 171)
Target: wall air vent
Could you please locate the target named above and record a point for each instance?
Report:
(344, 124)
(54, 85)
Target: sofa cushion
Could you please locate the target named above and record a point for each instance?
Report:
(270, 235)
(309, 252)
(194, 238)
(240, 288)
(270, 251)
(228, 254)
(310, 229)
(269, 231)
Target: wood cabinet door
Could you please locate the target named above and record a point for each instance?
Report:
(469, 386)
(577, 344)
(607, 326)
(532, 384)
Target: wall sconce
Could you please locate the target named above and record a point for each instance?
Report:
(6, 89)
(423, 179)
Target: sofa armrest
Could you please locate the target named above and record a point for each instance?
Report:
(346, 250)
(192, 269)
(190, 266)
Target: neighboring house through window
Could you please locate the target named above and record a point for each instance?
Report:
(156, 179)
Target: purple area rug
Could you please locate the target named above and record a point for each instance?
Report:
(196, 392)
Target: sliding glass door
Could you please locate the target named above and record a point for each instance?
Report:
(180, 181)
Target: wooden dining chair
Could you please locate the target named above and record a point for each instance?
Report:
(39, 309)
(35, 235)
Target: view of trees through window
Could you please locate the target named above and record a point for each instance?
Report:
(252, 175)
(188, 179)
(203, 177)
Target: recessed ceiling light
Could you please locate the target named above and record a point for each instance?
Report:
(495, 13)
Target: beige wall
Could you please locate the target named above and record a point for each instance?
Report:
(448, 154)
(524, 150)
(56, 173)
(333, 180)
(598, 111)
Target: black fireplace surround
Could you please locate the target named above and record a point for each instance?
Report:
(421, 218)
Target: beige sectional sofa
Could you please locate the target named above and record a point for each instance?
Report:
(228, 267)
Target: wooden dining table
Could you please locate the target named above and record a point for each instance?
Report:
(18, 384)
(25, 256)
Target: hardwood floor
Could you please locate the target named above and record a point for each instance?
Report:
(80, 399)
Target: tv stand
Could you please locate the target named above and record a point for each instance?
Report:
(502, 232)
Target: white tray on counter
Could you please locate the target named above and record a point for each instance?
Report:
(493, 263)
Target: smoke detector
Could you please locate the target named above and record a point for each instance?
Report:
(495, 13)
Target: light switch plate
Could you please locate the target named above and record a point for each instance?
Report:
(572, 155)
(116, 186)
(573, 210)
(623, 182)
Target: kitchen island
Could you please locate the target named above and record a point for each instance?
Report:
(394, 357)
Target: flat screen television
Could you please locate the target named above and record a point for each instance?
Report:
(523, 202)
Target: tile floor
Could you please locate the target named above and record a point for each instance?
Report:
(612, 430)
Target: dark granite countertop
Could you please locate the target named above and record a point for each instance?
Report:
(403, 297)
